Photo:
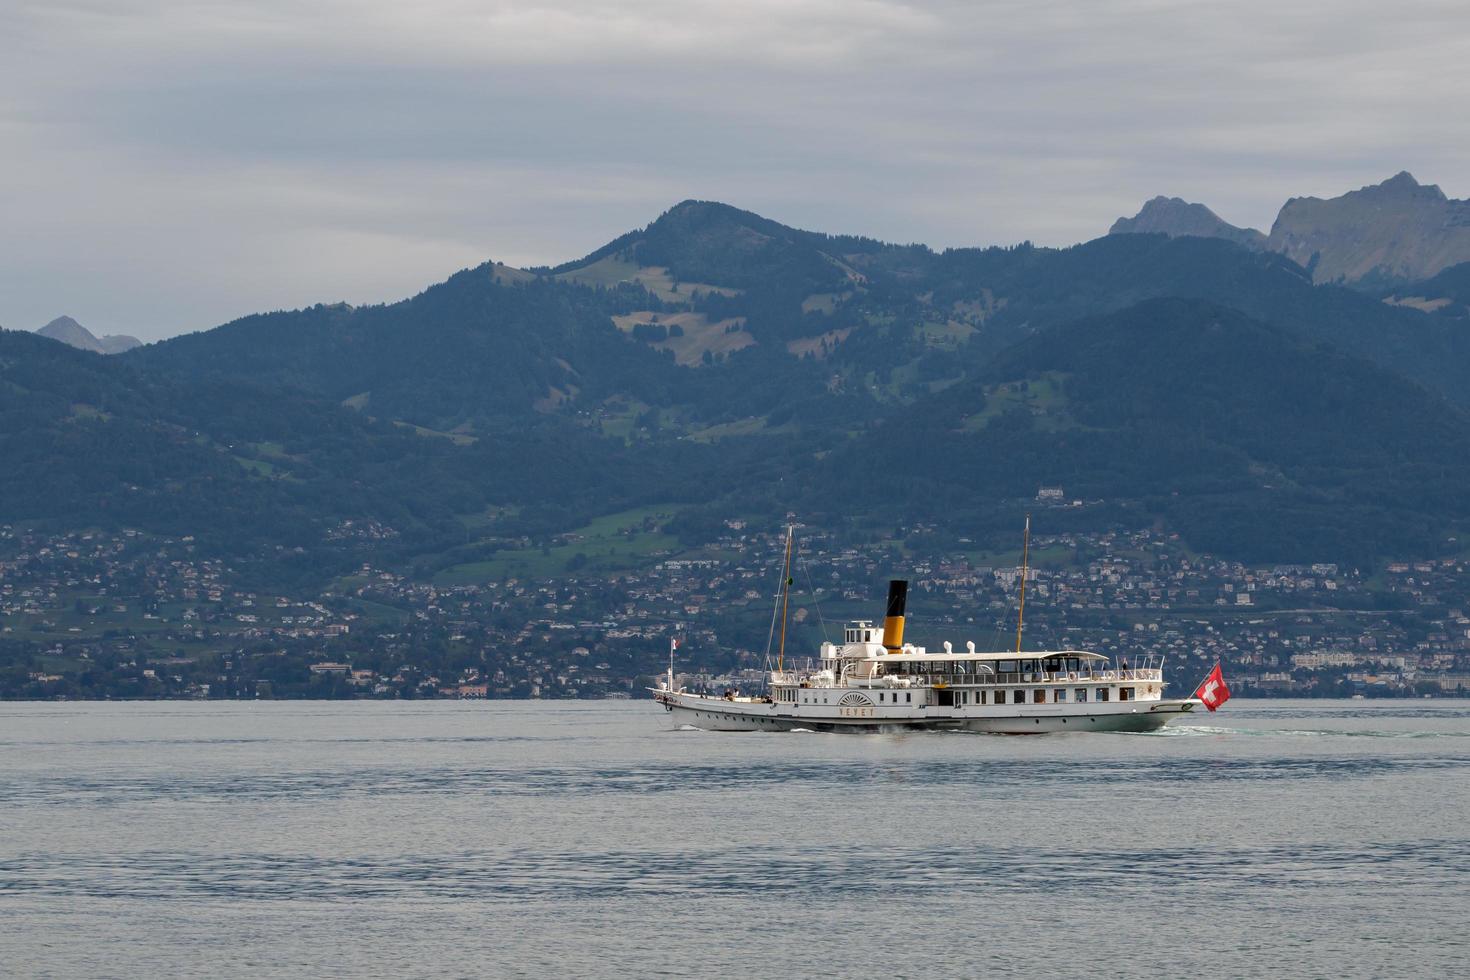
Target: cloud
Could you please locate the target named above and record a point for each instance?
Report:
(169, 166)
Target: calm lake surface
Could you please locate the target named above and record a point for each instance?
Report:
(587, 839)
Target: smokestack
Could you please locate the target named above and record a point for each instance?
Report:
(898, 591)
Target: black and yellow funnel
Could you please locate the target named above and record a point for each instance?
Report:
(898, 593)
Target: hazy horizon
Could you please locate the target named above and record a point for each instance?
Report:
(171, 167)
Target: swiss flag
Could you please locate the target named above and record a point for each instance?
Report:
(1213, 691)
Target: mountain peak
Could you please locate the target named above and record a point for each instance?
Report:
(1403, 184)
(63, 323)
(718, 245)
(694, 206)
(698, 216)
(1395, 229)
(1176, 217)
(70, 332)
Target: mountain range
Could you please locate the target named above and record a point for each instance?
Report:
(1393, 232)
(726, 365)
(70, 332)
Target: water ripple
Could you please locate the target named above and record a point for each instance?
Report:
(817, 873)
(118, 788)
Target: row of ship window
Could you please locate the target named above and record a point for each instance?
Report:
(1040, 695)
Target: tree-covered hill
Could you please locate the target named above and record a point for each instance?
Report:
(470, 348)
(1042, 288)
(258, 470)
(94, 442)
(1249, 440)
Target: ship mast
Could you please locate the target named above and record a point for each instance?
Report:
(1025, 564)
(785, 598)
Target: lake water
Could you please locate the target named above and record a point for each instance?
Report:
(587, 839)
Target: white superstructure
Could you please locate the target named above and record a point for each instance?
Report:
(873, 681)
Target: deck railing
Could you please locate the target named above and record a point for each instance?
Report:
(1060, 676)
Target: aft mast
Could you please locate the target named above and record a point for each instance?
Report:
(1025, 566)
(785, 598)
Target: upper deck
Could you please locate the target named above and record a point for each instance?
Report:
(863, 661)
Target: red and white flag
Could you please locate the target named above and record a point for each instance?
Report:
(1213, 691)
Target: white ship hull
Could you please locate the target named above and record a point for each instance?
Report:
(754, 715)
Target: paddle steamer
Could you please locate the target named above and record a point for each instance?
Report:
(875, 681)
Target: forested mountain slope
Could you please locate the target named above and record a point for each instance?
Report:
(727, 364)
(1248, 440)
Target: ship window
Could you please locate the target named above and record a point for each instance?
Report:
(1039, 695)
(1102, 694)
(1000, 697)
(908, 697)
(1018, 697)
(1059, 694)
(1081, 693)
(1006, 666)
(1125, 694)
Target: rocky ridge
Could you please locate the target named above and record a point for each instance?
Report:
(70, 332)
(1174, 216)
(1395, 231)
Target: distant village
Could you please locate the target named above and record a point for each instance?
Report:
(129, 615)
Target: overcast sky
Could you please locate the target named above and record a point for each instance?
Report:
(168, 166)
